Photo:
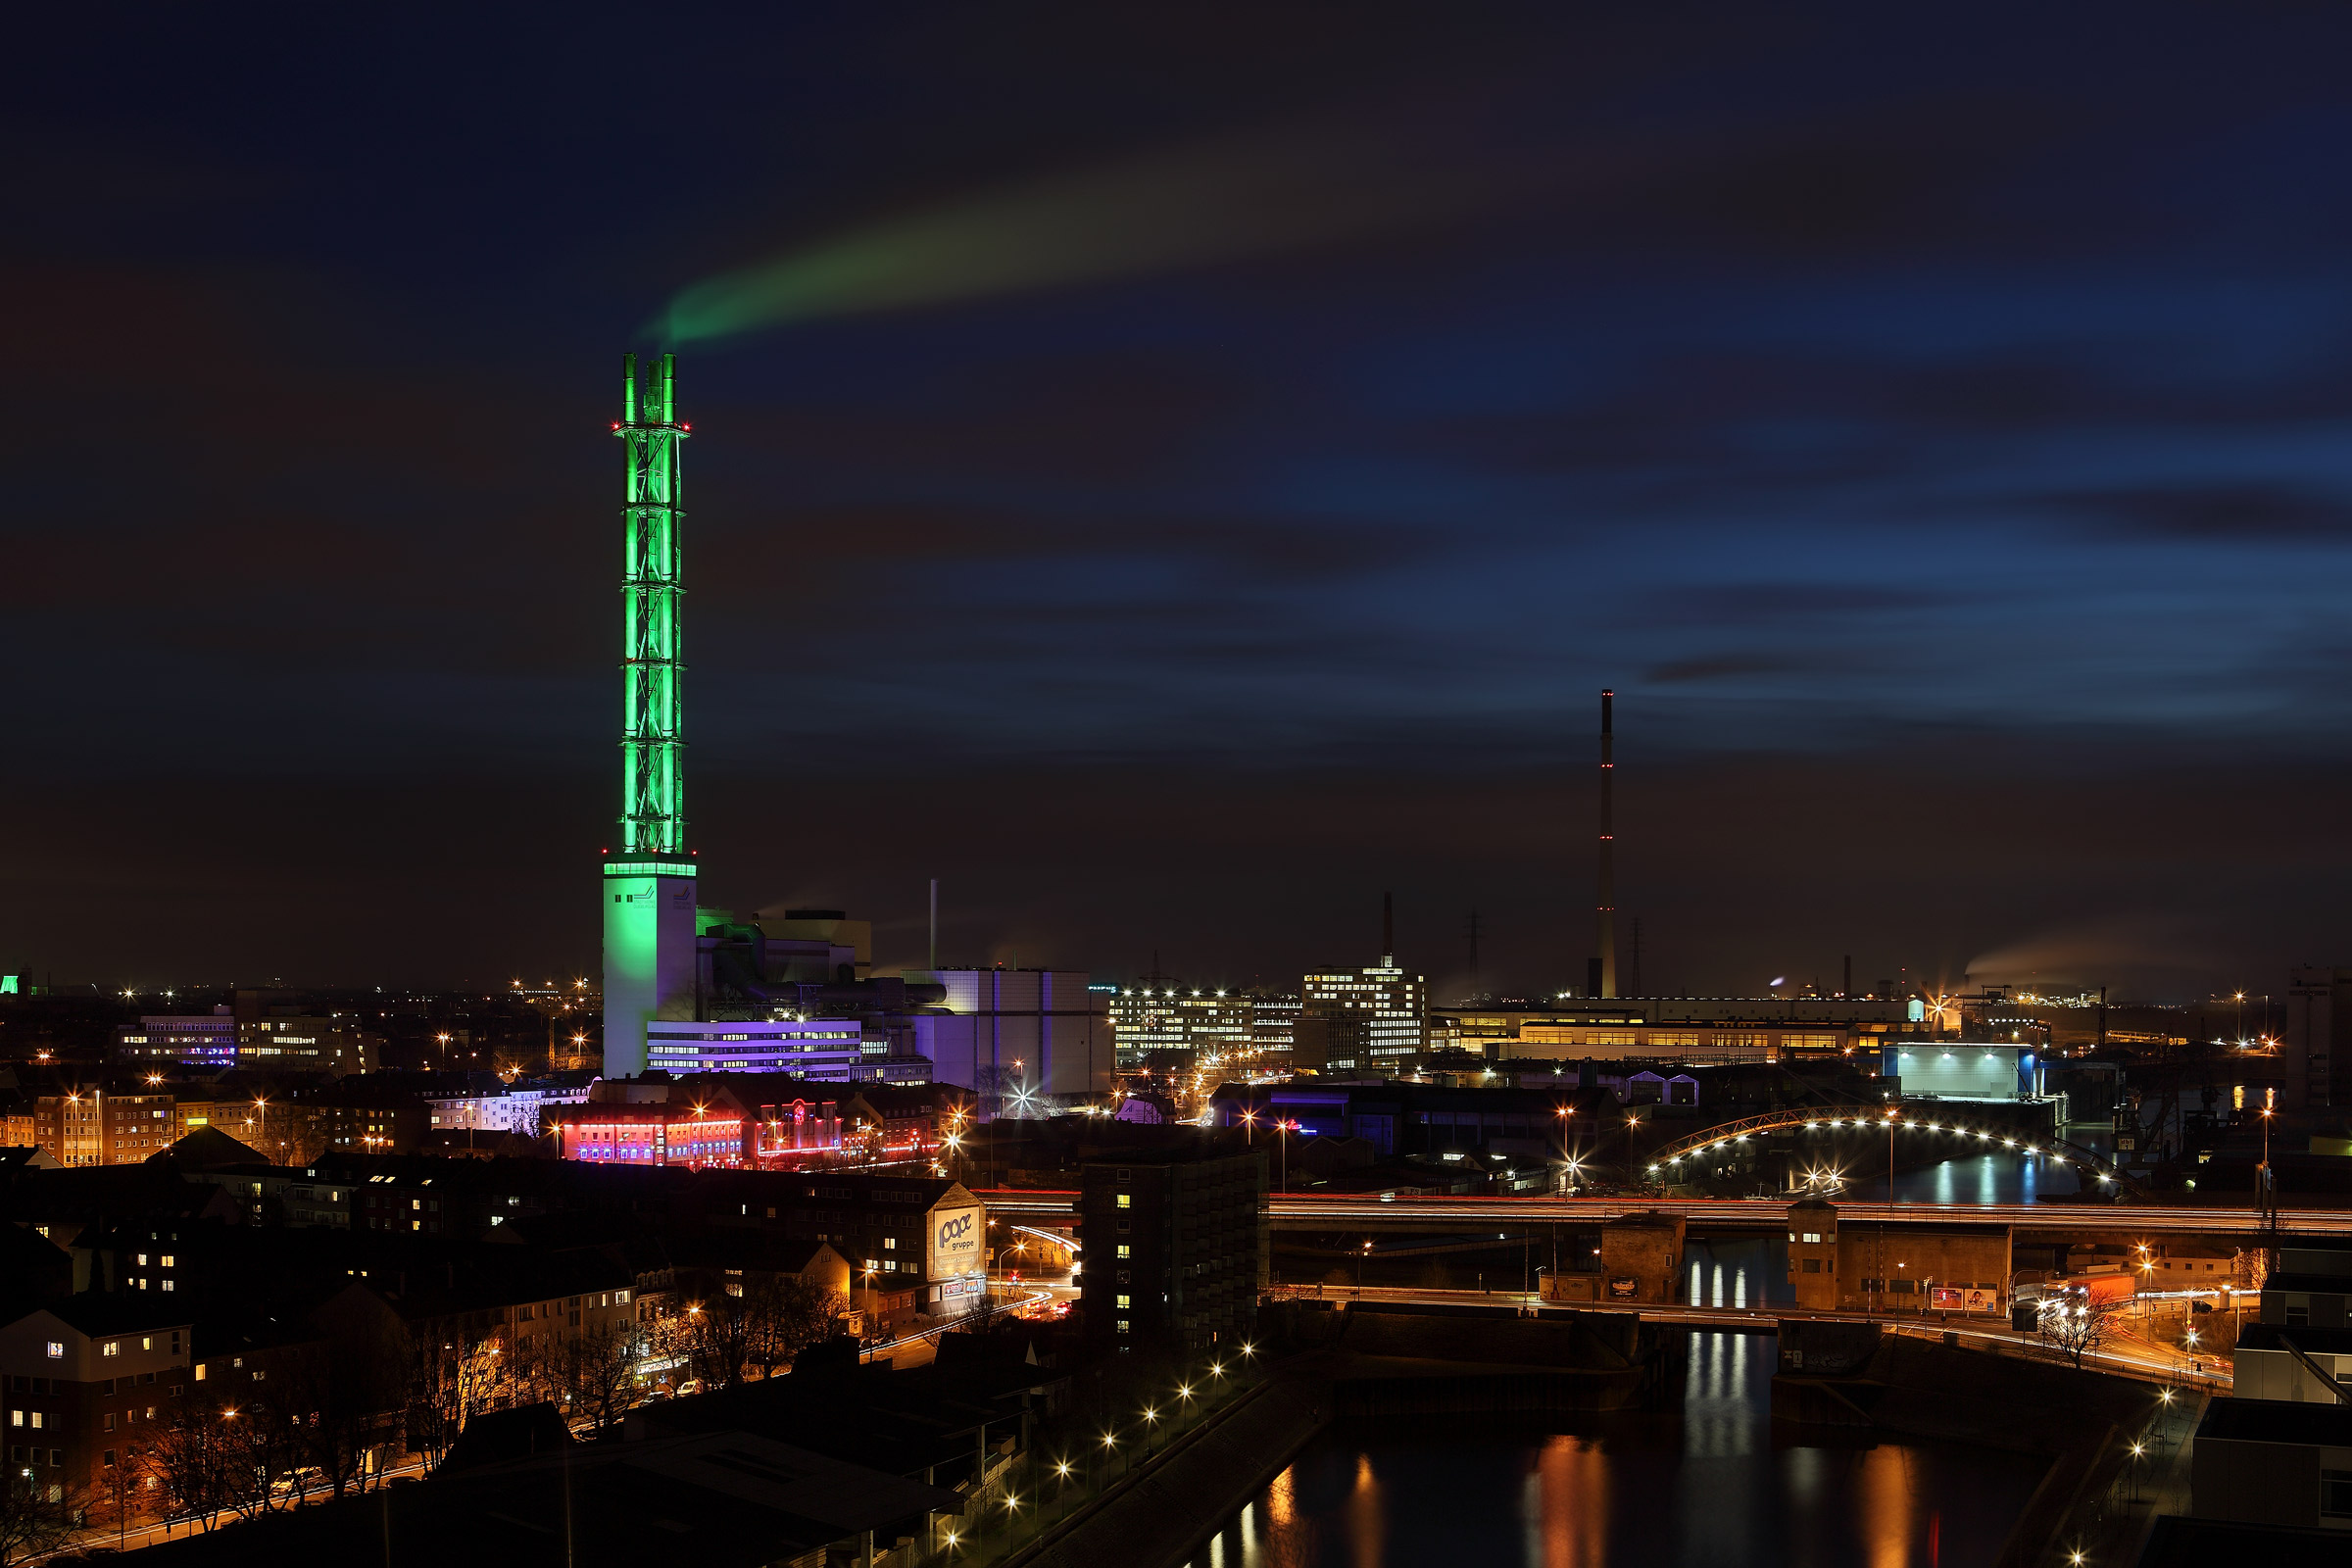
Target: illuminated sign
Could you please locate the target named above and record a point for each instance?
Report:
(955, 1242)
(1963, 1299)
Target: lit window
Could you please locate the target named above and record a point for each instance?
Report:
(57, 1350)
(1123, 1203)
(111, 1347)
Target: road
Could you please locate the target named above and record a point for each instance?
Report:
(150, 1535)
(1299, 1210)
(907, 1352)
(2129, 1354)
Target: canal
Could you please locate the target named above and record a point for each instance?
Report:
(1705, 1481)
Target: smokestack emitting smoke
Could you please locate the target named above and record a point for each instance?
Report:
(1221, 199)
(1606, 910)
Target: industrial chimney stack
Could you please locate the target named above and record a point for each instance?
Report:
(1604, 979)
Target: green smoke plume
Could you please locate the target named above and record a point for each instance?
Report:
(1208, 203)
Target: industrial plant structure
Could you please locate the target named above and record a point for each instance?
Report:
(649, 885)
(691, 989)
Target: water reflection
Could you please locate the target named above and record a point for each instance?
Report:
(1565, 1511)
(1752, 1271)
(2004, 1177)
(1698, 1484)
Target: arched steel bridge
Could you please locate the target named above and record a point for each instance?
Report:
(1879, 1119)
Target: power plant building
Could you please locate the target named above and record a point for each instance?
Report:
(1011, 1034)
(693, 990)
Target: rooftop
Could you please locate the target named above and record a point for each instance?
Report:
(2282, 1421)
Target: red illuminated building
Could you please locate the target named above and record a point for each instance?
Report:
(650, 1135)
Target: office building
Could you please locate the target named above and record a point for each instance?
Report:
(1176, 1246)
(305, 1044)
(830, 1050)
(200, 1039)
(1358, 1020)
(1274, 1027)
(232, 1037)
(1678, 1029)
(1173, 1027)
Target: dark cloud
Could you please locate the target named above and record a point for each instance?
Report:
(1731, 666)
(2245, 514)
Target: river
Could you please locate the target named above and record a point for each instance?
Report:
(1705, 1482)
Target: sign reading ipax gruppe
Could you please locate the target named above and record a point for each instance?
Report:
(954, 1247)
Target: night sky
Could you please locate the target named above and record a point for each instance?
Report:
(1173, 474)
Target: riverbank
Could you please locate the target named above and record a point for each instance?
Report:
(2084, 1423)
(1157, 1517)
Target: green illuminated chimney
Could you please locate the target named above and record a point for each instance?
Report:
(648, 879)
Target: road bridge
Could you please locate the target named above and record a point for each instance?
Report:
(1728, 1216)
(1942, 1127)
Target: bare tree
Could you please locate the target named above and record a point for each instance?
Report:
(357, 1391)
(35, 1520)
(715, 1335)
(788, 1314)
(598, 1372)
(188, 1459)
(451, 1381)
(2078, 1329)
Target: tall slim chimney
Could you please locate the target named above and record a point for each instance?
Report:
(1387, 929)
(1607, 909)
